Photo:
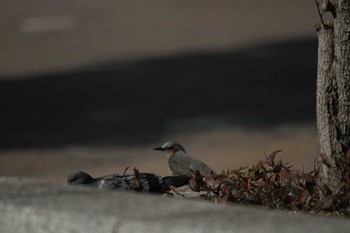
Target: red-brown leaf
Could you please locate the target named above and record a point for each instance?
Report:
(309, 178)
(137, 179)
(125, 170)
(259, 165)
(195, 182)
(347, 196)
(261, 183)
(225, 198)
(285, 174)
(249, 183)
(278, 166)
(224, 188)
(282, 193)
(210, 179)
(304, 196)
(271, 158)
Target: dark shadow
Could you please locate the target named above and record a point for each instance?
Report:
(137, 101)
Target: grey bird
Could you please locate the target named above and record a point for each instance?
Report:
(180, 163)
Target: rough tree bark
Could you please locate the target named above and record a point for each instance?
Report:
(333, 96)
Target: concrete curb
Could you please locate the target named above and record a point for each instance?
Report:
(34, 207)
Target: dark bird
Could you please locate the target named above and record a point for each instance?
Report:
(146, 182)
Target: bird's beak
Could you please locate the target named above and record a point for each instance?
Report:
(159, 148)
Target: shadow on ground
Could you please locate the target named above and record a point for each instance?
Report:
(137, 101)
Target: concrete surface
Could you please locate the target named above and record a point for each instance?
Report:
(30, 206)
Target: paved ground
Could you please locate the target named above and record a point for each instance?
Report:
(32, 207)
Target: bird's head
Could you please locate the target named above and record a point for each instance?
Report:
(80, 178)
(170, 148)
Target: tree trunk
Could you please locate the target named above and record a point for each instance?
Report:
(333, 96)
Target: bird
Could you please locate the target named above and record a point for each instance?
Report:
(180, 163)
(146, 182)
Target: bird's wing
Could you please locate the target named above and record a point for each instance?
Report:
(198, 165)
(179, 166)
